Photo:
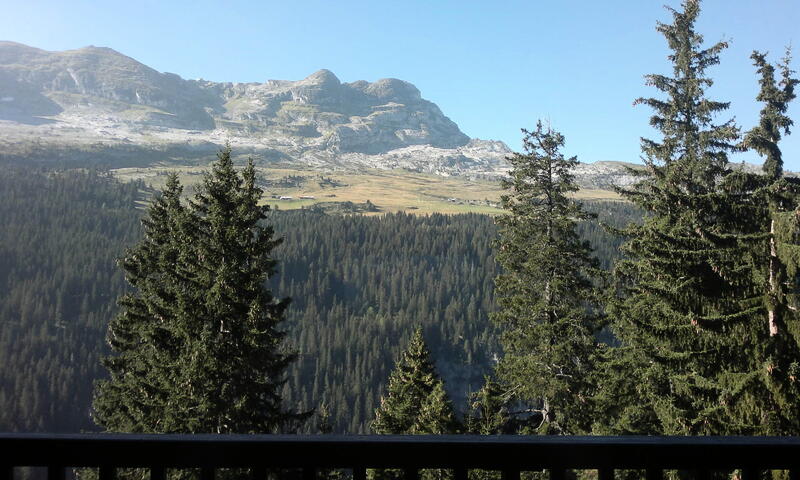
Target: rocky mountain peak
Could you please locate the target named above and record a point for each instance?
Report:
(322, 77)
(393, 90)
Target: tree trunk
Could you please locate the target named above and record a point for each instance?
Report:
(773, 281)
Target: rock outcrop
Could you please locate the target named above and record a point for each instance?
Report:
(96, 95)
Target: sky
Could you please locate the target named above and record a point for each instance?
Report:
(493, 67)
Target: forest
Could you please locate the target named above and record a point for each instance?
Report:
(359, 286)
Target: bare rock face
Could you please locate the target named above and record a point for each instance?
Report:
(97, 95)
(75, 77)
(606, 175)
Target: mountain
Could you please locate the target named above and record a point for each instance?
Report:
(96, 103)
(97, 97)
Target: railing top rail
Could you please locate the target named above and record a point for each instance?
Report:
(428, 439)
(399, 451)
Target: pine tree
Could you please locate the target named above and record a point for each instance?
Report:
(688, 289)
(198, 345)
(416, 402)
(546, 293)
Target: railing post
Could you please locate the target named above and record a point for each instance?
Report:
(750, 474)
(654, 474)
(107, 472)
(309, 473)
(557, 474)
(207, 473)
(460, 473)
(411, 474)
(158, 473)
(56, 472)
(511, 474)
(359, 473)
(258, 473)
(6, 472)
(605, 474)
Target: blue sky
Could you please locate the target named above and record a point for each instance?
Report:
(492, 67)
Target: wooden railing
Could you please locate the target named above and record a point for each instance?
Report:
(312, 453)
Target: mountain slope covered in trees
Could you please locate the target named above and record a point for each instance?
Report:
(360, 285)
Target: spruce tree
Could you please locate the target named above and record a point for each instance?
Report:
(546, 293)
(776, 96)
(688, 290)
(416, 402)
(140, 394)
(773, 408)
(240, 363)
(489, 411)
(197, 344)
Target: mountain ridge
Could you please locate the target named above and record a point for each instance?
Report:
(99, 96)
(99, 102)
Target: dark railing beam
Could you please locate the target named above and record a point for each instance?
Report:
(458, 452)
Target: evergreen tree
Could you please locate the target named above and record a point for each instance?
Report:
(416, 402)
(436, 416)
(198, 345)
(489, 412)
(241, 362)
(688, 291)
(546, 293)
(773, 120)
(145, 334)
(362, 263)
(774, 409)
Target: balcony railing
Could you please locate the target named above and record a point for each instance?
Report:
(460, 453)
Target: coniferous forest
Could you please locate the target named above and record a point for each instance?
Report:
(359, 287)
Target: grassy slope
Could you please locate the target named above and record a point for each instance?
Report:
(390, 190)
